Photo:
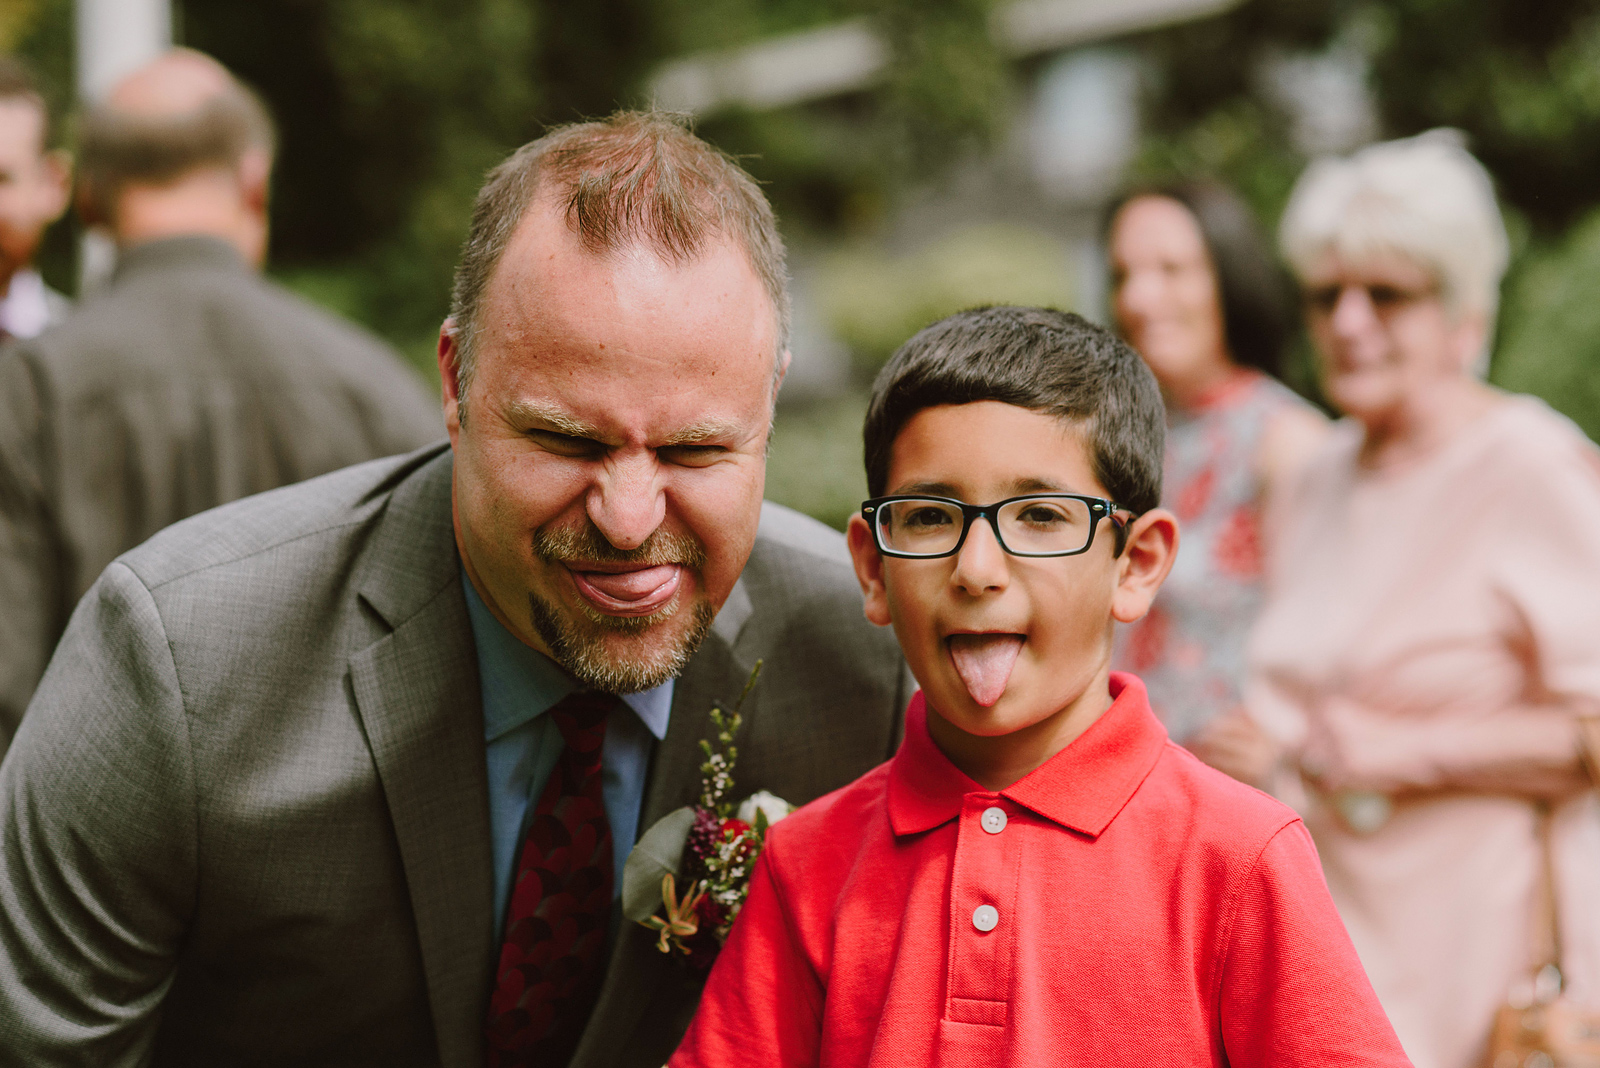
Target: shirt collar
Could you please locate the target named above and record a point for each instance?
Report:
(25, 310)
(186, 250)
(520, 684)
(1083, 787)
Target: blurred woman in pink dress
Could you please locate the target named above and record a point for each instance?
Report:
(1432, 628)
(1196, 292)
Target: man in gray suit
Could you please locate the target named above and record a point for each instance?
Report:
(189, 382)
(297, 786)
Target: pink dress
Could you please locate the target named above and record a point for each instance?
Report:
(1189, 648)
(1456, 590)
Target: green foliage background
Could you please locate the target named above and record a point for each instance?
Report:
(392, 110)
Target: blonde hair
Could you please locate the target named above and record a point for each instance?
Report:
(1425, 198)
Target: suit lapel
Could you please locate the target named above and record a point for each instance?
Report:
(637, 969)
(416, 689)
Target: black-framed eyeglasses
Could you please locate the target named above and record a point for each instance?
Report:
(1043, 524)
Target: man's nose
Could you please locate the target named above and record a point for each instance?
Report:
(981, 565)
(627, 501)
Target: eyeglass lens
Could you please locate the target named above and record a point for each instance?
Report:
(927, 527)
(1385, 299)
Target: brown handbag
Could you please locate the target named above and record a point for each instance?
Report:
(1538, 1027)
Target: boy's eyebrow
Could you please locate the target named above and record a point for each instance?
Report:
(929, 489)
(1019, 487)
(1040, 485)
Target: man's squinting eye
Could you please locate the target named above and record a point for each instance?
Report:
(691, 455)
(565, 444)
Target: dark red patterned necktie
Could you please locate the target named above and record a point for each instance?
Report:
(560, 910)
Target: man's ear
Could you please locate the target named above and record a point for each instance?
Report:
(1151, 548)
(255, 179)
(1470, 336)
(869, 571)
(449, 379)
(57, 165)
(782, 372)
(86, 203)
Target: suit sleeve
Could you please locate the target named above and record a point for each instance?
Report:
(30, 560)
(97, 841)
(762, 1005)
(1293, 991)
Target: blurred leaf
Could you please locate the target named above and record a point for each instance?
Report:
(874, 301)
(1550, 327)
(815, 463)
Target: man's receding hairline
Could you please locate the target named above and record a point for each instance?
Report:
(632, 244)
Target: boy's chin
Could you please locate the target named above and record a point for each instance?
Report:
(1013, 712)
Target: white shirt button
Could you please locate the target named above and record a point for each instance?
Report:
(985, 917)
(993, 820)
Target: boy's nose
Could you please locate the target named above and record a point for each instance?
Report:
(981, 565)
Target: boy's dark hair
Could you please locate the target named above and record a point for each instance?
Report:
(1257, 310)
(1036, 358)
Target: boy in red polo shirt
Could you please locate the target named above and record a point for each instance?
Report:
(1038, 877)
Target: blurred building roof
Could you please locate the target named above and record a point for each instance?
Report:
(849, 56)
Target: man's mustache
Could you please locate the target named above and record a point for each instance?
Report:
(588, 545)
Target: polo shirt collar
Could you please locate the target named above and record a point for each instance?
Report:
(1083, 787)
(520, 684)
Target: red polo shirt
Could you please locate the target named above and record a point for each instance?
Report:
(1122, 905)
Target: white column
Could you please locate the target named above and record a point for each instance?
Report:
(114, 38)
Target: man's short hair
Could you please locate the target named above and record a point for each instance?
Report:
(633, 177)
(1424, 198)
(18, 83)
(1036, 358)
(116, 149)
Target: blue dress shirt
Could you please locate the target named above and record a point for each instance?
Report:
(519, 685)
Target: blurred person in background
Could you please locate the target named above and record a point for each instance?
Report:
(34, 184)
(1431, 635)
(191, 380)
(1196, 292)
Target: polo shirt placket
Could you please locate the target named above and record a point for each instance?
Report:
(983, 915)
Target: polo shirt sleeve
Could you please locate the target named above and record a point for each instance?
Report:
(762, 1005)
(1293, 991)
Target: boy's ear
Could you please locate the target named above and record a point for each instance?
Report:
(1152, 546)
(869, 571)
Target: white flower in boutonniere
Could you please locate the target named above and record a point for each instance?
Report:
(766, 803)
(709, 846)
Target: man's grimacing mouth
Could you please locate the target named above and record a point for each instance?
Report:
(624, 590)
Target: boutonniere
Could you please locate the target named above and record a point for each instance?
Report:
(708, 849)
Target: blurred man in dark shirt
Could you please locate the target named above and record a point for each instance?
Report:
(191, 380)
(33, 194)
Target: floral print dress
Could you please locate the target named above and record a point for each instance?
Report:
(1189, 649)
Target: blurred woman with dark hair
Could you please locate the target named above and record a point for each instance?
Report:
(1196, 292)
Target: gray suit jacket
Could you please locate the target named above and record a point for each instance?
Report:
(189, 382)
(246, 820)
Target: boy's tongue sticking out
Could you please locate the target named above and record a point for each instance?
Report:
(984, 662)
